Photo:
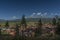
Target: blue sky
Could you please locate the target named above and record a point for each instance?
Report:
(12, 9)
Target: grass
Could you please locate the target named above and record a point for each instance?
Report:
(14, 23)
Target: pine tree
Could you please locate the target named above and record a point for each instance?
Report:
(39, 29)
(23, 21)
(7, 24)
(58, 27)
(0, 29)
(17, 29)
(17, 33)
(39, 23)
(54, 21)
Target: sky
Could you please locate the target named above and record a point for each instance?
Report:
(14, 9)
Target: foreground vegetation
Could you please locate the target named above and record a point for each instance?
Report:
(21, 32)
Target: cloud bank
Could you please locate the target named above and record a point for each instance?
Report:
(45, 14)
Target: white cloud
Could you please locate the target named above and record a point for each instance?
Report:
(14, 17)
(56, 13)
(33, 14)
(45, 13)
(42, 14)
(26, 17)
(39, 13)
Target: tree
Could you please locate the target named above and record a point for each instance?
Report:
(39, 23)
(7, 24)
(39, 29)
(23, 21)
(0, 29)
(54, 21)
(17, 29)
(17, 33)
(58, 27)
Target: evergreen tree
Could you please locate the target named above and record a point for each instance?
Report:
(54, 21)
(17, 33)
(23, 21)
(0, 29)
(39, 23)
(17, 29)
(0, 34)
(39, 29)
(7, 24)
(58, 27)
